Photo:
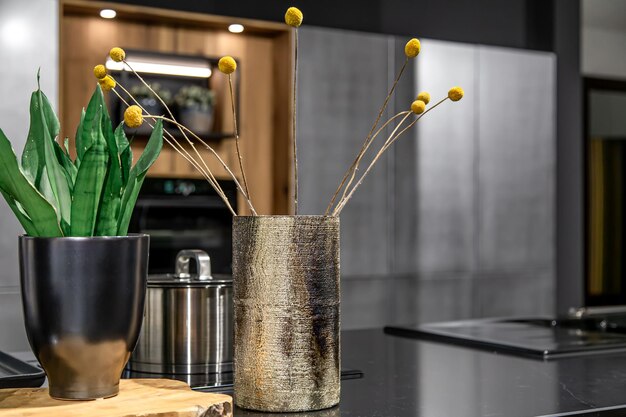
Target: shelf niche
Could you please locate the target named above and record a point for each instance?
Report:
(264, 55)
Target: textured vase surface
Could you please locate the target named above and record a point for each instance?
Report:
(286, 311)
(83, 300)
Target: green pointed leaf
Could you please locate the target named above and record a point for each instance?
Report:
(106, 224)
(137, 175)
(56, 175)
(15, 185)
(69, 169)
(78, 141)
(152, 149)
(93, 117)
(33, 159)
(88, 189)
(66, 146)
(125, 152)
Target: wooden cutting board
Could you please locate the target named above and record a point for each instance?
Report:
(137, 398)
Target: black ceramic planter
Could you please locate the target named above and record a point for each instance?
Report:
(83, 301)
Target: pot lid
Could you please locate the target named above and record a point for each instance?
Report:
(182, 276)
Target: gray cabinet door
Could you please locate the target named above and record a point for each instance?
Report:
(516, 160)
(438, 162)
(343, 81)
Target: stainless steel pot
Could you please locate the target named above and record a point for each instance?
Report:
(188, 324)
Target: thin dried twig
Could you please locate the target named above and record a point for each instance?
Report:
(390, 140)
(243, 172)
(170, 140)
(206, 145)
(183, 129)
(366, 144)
(295, 142)
(344, 200)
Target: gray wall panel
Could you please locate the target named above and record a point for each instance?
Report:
(29, 37)
(12, 331)
(462, 210)
(445, 159)
(516, 166)
(529, 293)
(342, 83)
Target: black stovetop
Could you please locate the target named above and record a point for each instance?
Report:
(539, 337)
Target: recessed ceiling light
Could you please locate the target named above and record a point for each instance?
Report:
(235, 28)
(107, 13)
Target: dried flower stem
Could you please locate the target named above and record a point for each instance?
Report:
(206, 173)
(344, 200)
(184, 153)
(392, 138)
(183, 129)
(170, 113)
(295, 143)
(366, 144)
(390, 142)
(243, 173)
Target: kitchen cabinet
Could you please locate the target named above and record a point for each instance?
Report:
(461, 210)
(516, 159)
(263, 53)
(435, 165)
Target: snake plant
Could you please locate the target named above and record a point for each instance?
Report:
(93, 195)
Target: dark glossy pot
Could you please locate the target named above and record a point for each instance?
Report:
(83, 301)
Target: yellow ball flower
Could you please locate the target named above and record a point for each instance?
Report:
(412, 48)
(100, 71)
(424, 96)
(293, 17)
(133, 117)
(418, 107)
(107, 83)
(455, 93)
(227, 64)
(117, 54)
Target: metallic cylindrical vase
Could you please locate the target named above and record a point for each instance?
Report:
(83, 300)
(286, 311)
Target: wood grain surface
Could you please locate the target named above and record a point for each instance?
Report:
(137, 397)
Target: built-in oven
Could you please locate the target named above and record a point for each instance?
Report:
(185, 214)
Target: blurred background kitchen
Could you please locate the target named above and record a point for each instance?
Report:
(506, 203)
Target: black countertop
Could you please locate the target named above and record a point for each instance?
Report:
(406, 377)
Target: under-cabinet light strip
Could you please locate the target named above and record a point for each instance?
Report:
(158, 68)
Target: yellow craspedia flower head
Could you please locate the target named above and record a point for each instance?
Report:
(117, 54)
(100, 71)
(227, 64)
(412, 48)
(455, 93)
(424, 96)
(107, 83)
(418, 107)
(293, 17)
(133, 117)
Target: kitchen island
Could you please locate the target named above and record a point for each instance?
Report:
(404, 377)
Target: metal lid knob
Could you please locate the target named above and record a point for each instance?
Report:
(203, 264)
